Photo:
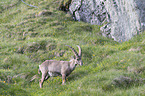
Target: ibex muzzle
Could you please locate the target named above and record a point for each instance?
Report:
(60, 68)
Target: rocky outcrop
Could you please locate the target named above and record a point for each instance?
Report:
(124, 18)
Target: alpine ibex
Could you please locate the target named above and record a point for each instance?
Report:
(52, 68)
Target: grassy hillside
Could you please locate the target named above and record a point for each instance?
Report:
(29, 36)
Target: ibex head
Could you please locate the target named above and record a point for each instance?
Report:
(78, 59)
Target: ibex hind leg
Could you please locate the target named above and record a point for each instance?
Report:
(42, 79)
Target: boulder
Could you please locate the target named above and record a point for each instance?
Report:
(124, 18)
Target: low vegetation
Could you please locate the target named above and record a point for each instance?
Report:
(29, 36)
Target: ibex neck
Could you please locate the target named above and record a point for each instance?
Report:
(72, 64)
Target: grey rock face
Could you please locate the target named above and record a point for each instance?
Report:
(92, 11)
(125, 18)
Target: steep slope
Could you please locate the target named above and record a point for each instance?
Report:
(29, 36)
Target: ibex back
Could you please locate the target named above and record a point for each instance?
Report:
(59, 68)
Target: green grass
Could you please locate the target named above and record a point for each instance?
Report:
(27, 39)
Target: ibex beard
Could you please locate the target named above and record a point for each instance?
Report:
(52, 68)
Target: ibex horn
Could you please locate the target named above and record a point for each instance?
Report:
(74, 51)
(80, 53)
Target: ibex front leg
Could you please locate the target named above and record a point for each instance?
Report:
(63, 79)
